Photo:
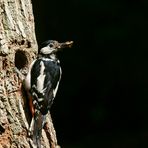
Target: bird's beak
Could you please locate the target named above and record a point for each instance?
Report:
(67, 44)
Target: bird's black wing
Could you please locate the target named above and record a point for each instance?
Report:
(47, 72)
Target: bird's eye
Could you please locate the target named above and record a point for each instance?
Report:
(51, 45)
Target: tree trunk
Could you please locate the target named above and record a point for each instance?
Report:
(18, 48)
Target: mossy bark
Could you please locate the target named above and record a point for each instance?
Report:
(18, 48)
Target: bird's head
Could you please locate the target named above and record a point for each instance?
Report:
(52, 47)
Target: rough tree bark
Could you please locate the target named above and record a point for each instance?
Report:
(18, 47)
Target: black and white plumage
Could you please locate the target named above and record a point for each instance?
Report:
(41, 84)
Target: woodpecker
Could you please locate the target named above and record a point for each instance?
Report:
(41, 84)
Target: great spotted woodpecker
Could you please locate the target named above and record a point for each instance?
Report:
(41, 84)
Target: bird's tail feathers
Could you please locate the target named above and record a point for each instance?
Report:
(39, 120)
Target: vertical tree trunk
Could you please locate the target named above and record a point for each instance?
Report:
(18, 47)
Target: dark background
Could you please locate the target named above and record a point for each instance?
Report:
(102, 101)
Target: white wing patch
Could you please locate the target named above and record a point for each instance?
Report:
(41, 78)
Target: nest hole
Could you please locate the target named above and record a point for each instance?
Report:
(20, 59)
